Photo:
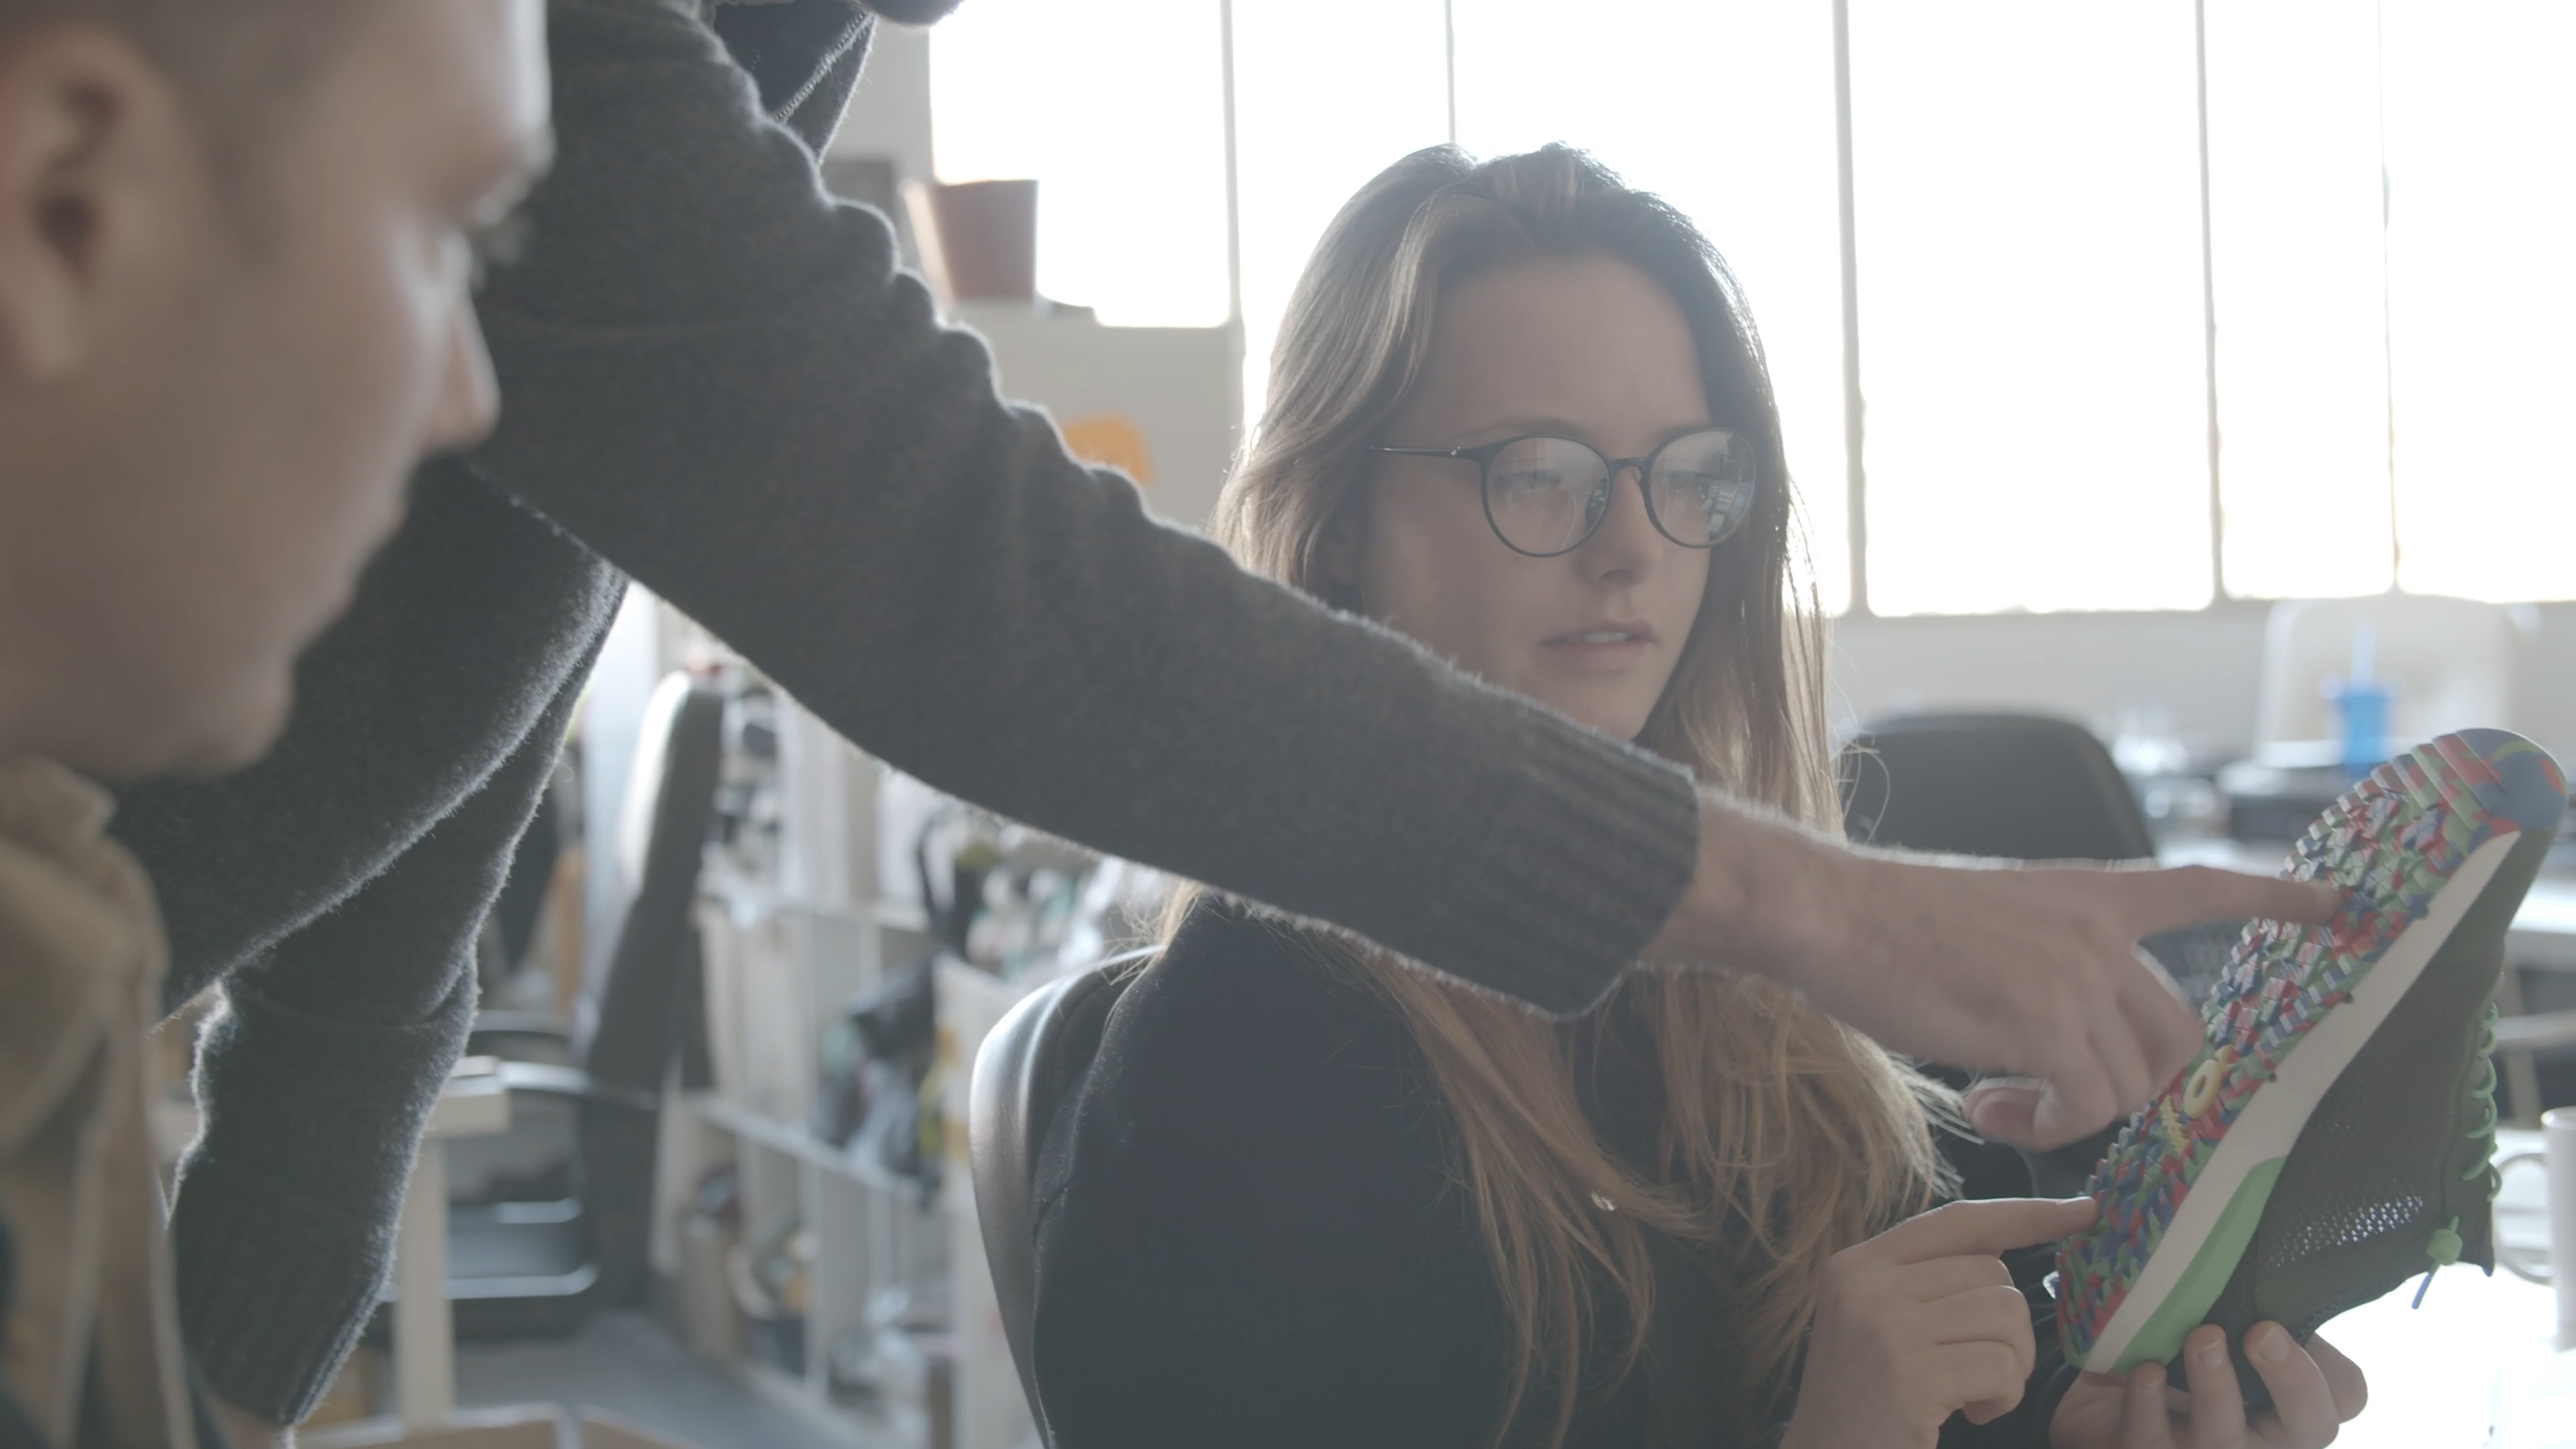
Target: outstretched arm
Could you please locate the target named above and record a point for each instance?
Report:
(2034, 971)
(718, 378)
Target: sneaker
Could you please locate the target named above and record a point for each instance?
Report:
(2332, 1139)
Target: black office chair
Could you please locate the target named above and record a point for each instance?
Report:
(520, 1269)
(2018, 786)
(1032, 1057)
(2023, 786)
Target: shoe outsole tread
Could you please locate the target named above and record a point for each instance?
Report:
(2392, 844)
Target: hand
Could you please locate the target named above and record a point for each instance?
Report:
(2027, 970)
(1923, 1321)
(247, 1430)
(2313, 1390)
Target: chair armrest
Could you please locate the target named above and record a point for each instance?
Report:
(542, 1080)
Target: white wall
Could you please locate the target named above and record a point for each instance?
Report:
(2202, 667)
(889, 113)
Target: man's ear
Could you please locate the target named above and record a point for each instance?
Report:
(92, 144)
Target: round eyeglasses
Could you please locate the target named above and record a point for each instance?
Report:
(1544, 496)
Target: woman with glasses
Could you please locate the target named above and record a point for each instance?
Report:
(1310, 1195)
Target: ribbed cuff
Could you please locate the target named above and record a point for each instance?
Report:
(1579, 867)
(272, 1296)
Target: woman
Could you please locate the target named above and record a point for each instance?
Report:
(1311, 1195)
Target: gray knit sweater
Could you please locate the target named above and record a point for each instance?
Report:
(716, 381)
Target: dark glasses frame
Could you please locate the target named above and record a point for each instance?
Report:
(1597, 507)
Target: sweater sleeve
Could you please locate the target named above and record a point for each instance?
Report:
(315, 1081)
(476, 617)
(718, 378)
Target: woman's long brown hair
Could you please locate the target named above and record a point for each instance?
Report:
(1786, 1136)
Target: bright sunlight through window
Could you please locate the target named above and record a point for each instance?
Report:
(2030, 305)
(2391, 214)
(1121, 121)
(1746, 150)
(2302, 355)
(1324, 100)
(2482, 290)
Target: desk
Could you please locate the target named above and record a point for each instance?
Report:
(475, 1104)
(2476, 1356)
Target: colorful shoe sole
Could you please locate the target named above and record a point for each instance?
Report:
(2185, 1183)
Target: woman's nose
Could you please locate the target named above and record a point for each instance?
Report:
(1627, 543)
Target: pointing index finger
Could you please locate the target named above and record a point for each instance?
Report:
(1987, 1227)
(2164, 900)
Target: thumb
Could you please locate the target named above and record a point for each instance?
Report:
(2002, 1110)
(2023, 1112)
(1986, 1411)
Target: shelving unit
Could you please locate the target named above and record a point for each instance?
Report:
(871, 1231)
(794, 921)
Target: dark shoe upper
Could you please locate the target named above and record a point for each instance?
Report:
(2391, 1178)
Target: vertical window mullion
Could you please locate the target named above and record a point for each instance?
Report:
(2218, 589)
(1855, 467)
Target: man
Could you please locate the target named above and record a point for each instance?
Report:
(235, 240)
(720, 384)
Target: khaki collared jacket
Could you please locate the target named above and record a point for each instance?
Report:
(81, 956)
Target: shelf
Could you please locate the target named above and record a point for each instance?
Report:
(790, 1140)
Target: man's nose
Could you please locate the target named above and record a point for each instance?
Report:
(469, 401)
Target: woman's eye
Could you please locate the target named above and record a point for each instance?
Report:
(1715, 487)
(1528, 481)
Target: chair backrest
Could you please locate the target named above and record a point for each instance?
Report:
(652, 971)
(1030, 1059)
(2450, 664)
(2027, 787)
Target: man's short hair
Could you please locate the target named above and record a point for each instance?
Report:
(235, 62)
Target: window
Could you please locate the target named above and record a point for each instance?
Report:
(1727, 111)
(2156, 303)
(2299, 290)
(2027, 193)
(2482, 293)
(1123, 124)
(1324, 100)
(2391, 362)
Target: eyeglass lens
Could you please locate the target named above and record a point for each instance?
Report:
(1547, 495)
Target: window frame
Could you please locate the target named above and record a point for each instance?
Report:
(1856, 490)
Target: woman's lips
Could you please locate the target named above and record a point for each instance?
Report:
(1604, 646)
